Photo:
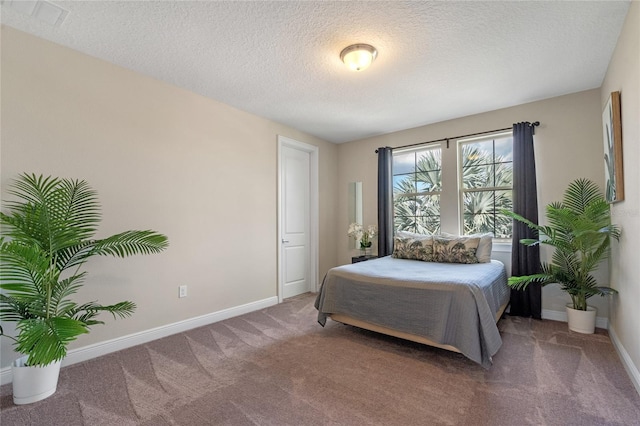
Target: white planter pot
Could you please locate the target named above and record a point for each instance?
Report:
(581, 321)
(31, 384)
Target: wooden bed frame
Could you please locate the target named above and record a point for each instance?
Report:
(345, 319)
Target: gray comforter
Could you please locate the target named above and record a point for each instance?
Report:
(451, 304)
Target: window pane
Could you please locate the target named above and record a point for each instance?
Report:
(498, 224)
(404, 223)
(504, 175)
(477, 153)
(428, 160)
(482, 212)
(478, 176)
(478, 223)
(419, 224)
(504, 149)
(481, 202)
(504, 227)
(417, 214)
(429, 170)
(428, 225)
(504, 200)
(404, 206)
(404, 163)
(429, 182)
(478, 202)
(428, 205)
(404, 184)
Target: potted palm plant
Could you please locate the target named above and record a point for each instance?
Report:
(580, 232)
(47, 236)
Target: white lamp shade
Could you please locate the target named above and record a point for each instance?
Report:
(358, 56)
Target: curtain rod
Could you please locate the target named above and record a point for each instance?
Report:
(534, 124)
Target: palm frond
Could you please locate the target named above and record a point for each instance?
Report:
(60, 304)
(45, 340)
(88, 311)
(13, 309)
(580, 194)
(57, 212)
(129, 243)
(520, 283)
(74, 255)
(24, 269)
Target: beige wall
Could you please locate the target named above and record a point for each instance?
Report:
(624, 75)
(162, 158)
(568, 145)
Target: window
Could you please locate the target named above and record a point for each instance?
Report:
(417, 183)
(486, 183)
(426, 196)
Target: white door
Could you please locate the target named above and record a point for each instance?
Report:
(298, 182)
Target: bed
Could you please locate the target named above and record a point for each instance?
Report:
(448, 305)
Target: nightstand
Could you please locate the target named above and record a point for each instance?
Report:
(363, 258)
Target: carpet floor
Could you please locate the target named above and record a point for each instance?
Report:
(277, 366)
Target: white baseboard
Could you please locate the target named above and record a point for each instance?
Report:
(102, 348)
(632, 370)
(601, 322)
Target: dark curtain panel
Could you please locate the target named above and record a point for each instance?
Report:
(525, 260)
(385, 202)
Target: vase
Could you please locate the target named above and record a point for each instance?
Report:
(33, 383)
(581, 321)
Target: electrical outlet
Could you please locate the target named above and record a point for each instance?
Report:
(182, 291)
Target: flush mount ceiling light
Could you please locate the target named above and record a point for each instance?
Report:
(358, 56)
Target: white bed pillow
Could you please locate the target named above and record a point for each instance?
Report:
(484, 248)
(414, 235)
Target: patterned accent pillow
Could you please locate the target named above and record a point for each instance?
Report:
(455, 250)
(413, 248)
(484, 248)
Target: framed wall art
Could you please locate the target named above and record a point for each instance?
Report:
(612, 133)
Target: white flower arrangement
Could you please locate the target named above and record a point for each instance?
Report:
(358, 232)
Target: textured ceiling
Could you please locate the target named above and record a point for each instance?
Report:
(280, 60)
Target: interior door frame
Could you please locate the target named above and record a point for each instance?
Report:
(313, 212)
